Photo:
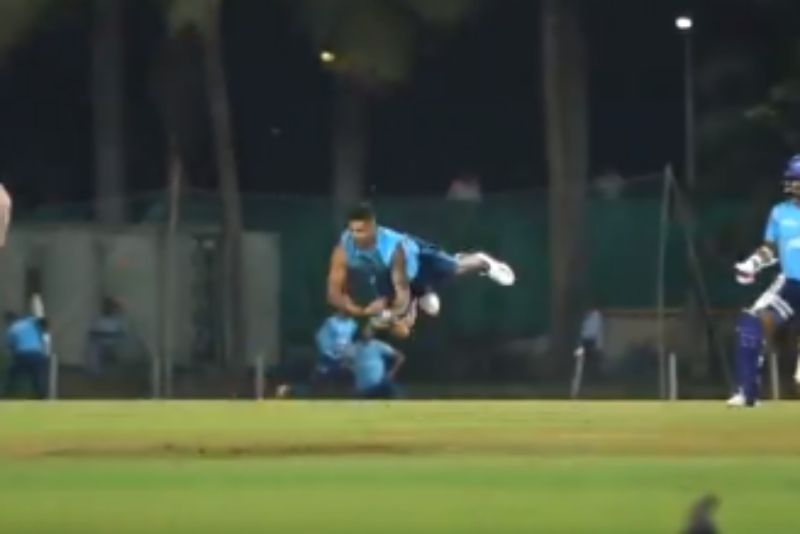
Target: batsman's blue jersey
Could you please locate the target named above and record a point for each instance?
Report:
(335, 334)
(783, 229)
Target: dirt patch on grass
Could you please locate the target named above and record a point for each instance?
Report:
(221, 430)
(184, 450)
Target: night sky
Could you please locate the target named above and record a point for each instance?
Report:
(473, 103)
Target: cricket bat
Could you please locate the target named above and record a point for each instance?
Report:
(797, 371)
(577, 377)
(37, 306)
(37, 310)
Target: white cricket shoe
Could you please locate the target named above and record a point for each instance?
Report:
(797, 375)
(737, 400)
(430, 303)
(500, 272)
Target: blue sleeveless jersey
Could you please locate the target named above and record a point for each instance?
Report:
(783, 229)
(376, 262)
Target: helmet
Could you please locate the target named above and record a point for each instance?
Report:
(791, 176)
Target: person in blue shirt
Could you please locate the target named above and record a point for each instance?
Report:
(375, 365)
(781, 245)
(25, 340)
(333, 340)
(405, 271)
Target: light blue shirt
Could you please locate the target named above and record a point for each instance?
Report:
(25, 337)
(783, 229)
(335, 335)
(369, 363)
(376, 262)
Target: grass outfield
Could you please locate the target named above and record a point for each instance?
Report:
(494, 467)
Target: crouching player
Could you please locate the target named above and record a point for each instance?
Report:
(26, 340)
(370, 362)
(781, 243)
(333, 341)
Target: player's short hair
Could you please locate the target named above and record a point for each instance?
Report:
(10, 316)
(363, 212)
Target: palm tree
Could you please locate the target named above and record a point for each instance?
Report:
(108, 96)
(203, 18)
(17, 18)
(371, 45)
(566, 103)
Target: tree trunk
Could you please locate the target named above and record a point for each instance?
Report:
(108, 96)
(566, 108)
(179, 87)
(349, 146)
(229, 188)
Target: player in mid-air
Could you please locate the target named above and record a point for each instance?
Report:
(781, 243)
(403, 270)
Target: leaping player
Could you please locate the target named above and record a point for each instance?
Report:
(781, 244)
(403, 270)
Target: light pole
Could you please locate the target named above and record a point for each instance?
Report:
(327, 56)
(685, 24)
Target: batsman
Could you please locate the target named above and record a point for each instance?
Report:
(781, 245)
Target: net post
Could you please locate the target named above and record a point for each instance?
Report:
(673, 376)
(52, 376)
(259, 376)
(663, 235)
(155, 377)
(577, 378)
(774, 375)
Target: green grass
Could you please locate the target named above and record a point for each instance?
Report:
(491, 467)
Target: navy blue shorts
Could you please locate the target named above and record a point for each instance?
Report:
(436, 267)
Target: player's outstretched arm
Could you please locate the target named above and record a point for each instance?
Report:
(337, 283)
